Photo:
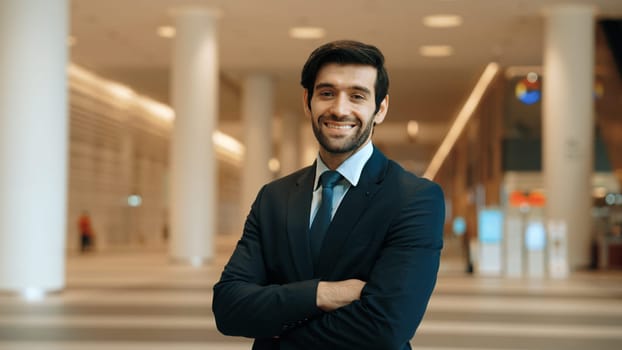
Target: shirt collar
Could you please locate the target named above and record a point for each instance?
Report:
(350, 169)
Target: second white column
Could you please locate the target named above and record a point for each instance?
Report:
(568, 121)
(193, 163)
(257, 114)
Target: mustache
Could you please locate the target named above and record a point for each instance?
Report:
(335, 118)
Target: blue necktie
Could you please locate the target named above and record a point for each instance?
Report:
(328, 179)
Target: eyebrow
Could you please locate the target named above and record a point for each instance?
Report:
(354, 87)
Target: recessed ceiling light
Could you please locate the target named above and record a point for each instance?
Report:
(166, 31)
(442, 21)
(436, 50)
(307, 32)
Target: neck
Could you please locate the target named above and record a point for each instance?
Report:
(334, 160)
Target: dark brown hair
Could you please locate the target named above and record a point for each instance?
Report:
(346, 52)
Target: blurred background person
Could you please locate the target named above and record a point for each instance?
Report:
(87, 236)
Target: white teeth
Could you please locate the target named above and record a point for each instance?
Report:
(333, 126)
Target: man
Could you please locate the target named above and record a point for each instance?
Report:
(365, 281)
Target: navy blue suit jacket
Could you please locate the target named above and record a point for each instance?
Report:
(387, 231)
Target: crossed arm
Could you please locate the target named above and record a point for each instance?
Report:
(333, 295)
(380, 313)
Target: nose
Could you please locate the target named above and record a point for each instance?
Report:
(341, 106)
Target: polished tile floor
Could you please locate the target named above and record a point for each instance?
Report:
(135, 299)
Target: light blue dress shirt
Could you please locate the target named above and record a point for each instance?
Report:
(350, 169)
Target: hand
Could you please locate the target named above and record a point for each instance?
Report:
(333, 295)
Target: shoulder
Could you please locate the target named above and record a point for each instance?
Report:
(289, 182)
(408, 182)
(292, 179)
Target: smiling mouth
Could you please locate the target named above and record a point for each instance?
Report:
(341, 126)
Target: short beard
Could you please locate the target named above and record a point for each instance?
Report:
(350, 146)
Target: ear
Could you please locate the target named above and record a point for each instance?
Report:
(305, 104)
(382, 111)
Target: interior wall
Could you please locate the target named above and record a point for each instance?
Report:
(120, 148)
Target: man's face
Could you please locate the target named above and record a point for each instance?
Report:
(342, 107)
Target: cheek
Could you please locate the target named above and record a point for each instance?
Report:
(319, 109)
(368, 115)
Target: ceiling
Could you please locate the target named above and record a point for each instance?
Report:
(117, 40)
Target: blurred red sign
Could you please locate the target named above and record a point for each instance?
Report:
(532, 199)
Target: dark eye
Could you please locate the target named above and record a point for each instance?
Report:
(358, 97)
(325, 93)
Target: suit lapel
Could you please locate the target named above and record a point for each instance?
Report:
(353, 205)
(299, 206)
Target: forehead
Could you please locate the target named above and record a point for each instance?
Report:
(347, 75)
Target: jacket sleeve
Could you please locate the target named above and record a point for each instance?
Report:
(244, 304)
(396, 295)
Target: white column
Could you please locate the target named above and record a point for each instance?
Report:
(290, 143)
(193, 162)
(33, 144)
(568, 123)
(257, 114)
